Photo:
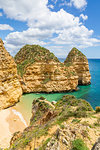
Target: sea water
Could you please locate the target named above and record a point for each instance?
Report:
(91, 93)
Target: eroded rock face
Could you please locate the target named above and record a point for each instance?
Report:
(10, 88)
(80, 63)
(49, 77)
(96, 146)
(55, 127)
(41, 71)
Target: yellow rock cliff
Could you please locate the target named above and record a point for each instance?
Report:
(10, 89)
(80, 63)
(41, 71)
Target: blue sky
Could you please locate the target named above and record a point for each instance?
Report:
(57, 25)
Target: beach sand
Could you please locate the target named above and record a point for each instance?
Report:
(11, 121)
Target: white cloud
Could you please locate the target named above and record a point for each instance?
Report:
(78, 36)
(15, 40)
(84, 17)
(79, 4)
(24, 10)
(59, 29)
(51, 6)
(6, 27)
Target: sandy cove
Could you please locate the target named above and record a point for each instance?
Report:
(11, 121)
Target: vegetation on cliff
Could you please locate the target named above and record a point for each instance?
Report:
(71, 56)
(79, 62)
(30, 54)
(57, 124)
(41, 70)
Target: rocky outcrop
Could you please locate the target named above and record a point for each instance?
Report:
(60, 126)
(10, 89)
(96, 146)
(41, 71)
(80, 63)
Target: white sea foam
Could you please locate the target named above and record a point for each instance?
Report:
(20, 116)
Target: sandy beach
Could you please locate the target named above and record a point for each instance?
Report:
(11, 121)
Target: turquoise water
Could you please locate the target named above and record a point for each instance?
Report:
(91, 93)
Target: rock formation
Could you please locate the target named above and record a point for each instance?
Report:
(67, 125)
(10, 89)
(80, 63)
(96, 146)
(41, 71)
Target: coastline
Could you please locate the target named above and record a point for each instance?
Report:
(11, 122)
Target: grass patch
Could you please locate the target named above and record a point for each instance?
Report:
(76, 121)
(30, 54)
(44, 144)
(78, 144)
(97, 123)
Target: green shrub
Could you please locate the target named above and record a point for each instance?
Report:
(79, 114)
(46, 80)
(78, 144)
(42, 98)
(97, 109)
(97, 123)
(30, 54)
(26, 141)
(44, 144)
(84, 105)
(76, 121)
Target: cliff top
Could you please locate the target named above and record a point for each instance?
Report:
(75, 54)
(5, 57)
(33, 53)
(1, 42)
(30, 54)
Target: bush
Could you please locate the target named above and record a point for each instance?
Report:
(97, 123)
(78, 144)
(42, 98)
(44, 144)
(97, 109)
(79, 114)
(75, 121)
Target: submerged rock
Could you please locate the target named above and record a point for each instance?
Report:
(41, 71)
(10, 89)
(80, 63)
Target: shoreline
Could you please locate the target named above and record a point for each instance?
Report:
(12, 121)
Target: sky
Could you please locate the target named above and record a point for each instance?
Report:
(58, 25)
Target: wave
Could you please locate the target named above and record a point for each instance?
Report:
(20, 116)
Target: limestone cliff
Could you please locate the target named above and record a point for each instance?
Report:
(80, 63)
(96, 146)
(10, 89)
(41, 71)
(67, 125)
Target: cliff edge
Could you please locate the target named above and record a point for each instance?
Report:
(10, 89)
(69, 124)
(79, 61)
(41, 71)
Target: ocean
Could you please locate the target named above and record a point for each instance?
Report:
(91, 93)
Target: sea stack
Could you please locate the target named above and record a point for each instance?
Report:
(79, 61)
(41, 71)
(10, 89)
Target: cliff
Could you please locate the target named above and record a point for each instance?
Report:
(41, 71)
(96, 146)
(69, 124)
(10, 89)
(80, 63)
